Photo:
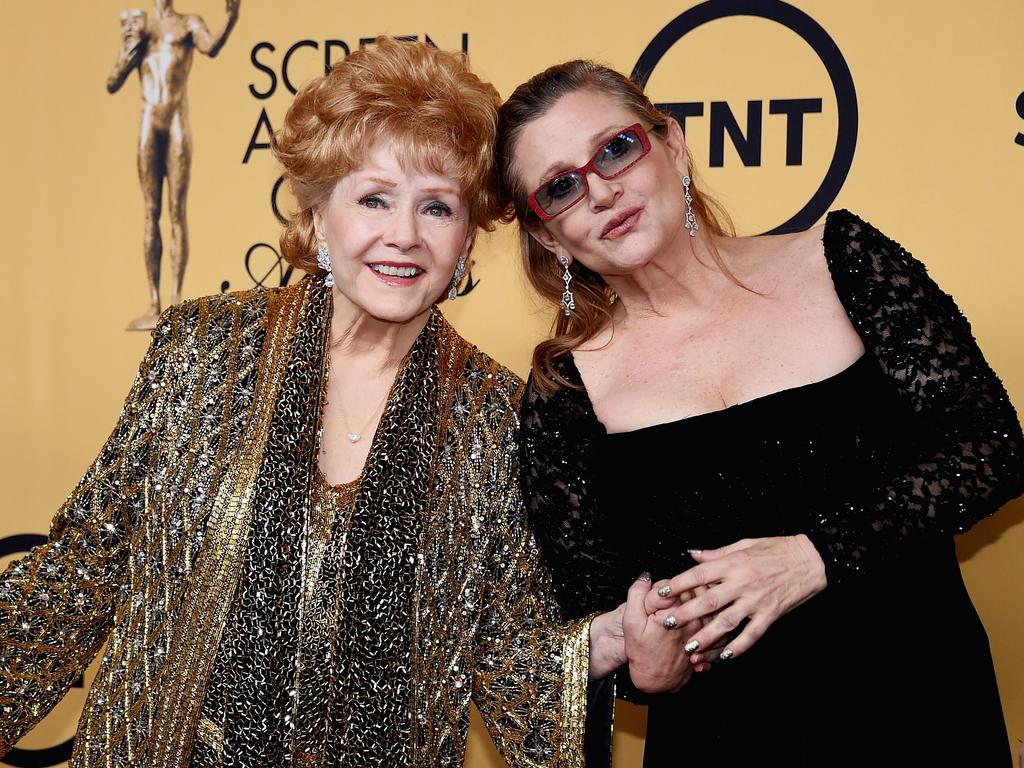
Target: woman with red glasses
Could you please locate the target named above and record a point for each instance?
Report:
(792, 427)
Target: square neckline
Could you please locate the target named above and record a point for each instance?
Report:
(730, 409)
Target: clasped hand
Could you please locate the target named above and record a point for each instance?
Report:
(635, 633)
(717, 609)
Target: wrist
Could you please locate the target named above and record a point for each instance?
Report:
(815, 563)
(607, 651)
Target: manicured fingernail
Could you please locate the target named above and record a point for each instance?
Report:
(691, 646)
(702, 668)
(726, 654)
(670, 622)
(665, 591)
(695, 551)
(645, 576)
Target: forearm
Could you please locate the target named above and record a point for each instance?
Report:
(126, 62)
(56, 610)
(607, 652)
(222, 38)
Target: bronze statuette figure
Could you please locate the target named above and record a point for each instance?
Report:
(161, 49)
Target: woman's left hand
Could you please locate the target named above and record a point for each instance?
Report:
(755, 579)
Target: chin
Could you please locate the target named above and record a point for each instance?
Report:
(394, 310)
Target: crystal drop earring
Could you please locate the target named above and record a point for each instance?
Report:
(568, 301)
(323, 260)
(691, 218)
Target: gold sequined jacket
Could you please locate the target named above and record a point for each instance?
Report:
(183, 548)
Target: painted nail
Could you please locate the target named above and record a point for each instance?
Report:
(691, 646)
(726, 654)
(645, 576)
(695, 551)
(665, 591)
(670, 622)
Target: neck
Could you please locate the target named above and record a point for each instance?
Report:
(682, 277)
(372, 344)
(163, 7)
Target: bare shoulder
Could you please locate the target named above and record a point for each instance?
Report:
(806, 257)
(194, 23)
(778, 264)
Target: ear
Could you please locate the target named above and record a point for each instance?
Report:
(540, 233)
(675, 144)
(318, 224)
(467, 247)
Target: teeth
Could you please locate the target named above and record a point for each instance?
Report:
(384, 269)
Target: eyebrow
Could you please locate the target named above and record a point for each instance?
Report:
(445, 190)
(595, 140)
(382, 182)
(429, 190)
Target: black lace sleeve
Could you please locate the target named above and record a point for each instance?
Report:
(972, 463)
(559, 434)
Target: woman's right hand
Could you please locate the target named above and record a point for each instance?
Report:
(657, 661)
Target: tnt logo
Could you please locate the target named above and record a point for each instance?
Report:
(767, 103)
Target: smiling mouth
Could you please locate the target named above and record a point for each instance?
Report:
(621, 224)
(396, 270)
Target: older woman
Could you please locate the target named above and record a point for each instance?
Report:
(810, 405)
(304, 541)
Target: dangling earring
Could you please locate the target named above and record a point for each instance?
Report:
(568, 302)
(691, 219)
(460, 270)
(323, 260)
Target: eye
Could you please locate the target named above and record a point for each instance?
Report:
(617, 147)
(438, 209)
(563, 186)
(373, 202)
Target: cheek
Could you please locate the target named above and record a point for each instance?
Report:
(573, 232)
(350, 233)
(446, 244)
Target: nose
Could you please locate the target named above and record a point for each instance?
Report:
(603, 192)
(401, 232)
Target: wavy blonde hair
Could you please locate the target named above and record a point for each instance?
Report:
(439, 116)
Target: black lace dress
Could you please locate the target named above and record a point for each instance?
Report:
(879, 465)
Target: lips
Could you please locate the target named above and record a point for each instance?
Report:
(621, 223)
(396, 273)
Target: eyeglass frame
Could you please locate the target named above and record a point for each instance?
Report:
(583, 170)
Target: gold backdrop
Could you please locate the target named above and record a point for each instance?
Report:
(930, 126)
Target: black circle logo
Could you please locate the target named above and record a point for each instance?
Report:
(820, 42)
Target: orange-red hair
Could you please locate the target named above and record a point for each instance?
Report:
(439, 116)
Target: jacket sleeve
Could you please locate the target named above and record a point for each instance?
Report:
(57, 602)
(557, 445)
(579, 544)
(971, 460)
(532, 666)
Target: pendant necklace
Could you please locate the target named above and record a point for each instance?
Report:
(355, 437)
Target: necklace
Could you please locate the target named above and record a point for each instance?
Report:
(355, 437)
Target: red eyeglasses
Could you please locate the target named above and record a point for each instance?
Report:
(616, 156)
